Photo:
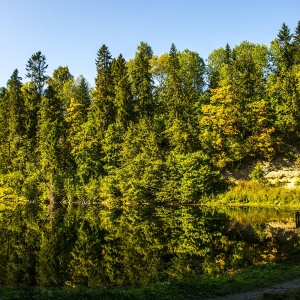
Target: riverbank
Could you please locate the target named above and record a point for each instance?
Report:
(191, 288)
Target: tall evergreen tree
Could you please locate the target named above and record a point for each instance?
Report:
(15, 105)
(53, 157)
(36, 68)
(76, 118)
(142, 81)
(4, 131)
(82, 94)
(103, 95)
(179, 95)
(123, 99)
(283, 84)
(174, 93)
(284, 38)
(16, 116)
(16, 148)
(296, 44)
(62, 82)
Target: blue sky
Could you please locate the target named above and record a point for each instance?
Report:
(70, 32)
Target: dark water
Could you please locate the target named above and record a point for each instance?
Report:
(97, 246)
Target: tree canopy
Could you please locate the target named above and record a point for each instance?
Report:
(153, 128)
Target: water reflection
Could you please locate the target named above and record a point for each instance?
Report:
(96, 246)
(297, 217)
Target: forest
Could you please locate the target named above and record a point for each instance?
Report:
(152, 129)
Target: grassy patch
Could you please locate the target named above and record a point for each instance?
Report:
(190, 288)
(258, 194)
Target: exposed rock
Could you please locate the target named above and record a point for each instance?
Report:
(280, 171)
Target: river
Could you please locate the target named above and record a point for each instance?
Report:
(91, 245)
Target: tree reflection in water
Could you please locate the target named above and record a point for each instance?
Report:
(132, 245)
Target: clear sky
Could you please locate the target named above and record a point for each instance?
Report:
(70, 32)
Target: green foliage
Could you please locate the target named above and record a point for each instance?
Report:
(154, 128)
(258, 173)
(142, 81)
(259, 193)
(36, 68)
(190, 177)
(190, 288)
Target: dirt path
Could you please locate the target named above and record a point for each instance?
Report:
(255, 294)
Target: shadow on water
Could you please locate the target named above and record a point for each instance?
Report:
(96, 246)
(297, 219)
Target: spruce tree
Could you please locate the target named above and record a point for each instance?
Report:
(142, 81)
(52, 145)
(174, 93)
(82, 94)
(16, 147)
(36, 68)
(284, 38)
(103, 96)
(4, 131)
(296, 44)
(123, 99)
(15, 105)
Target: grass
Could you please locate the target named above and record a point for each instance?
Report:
(253, 193)
(189, 288)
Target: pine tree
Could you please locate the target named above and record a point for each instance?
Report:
(16, 117)
(123, 99)
(82, 94)
(178, 101)
(296, 44)
(103, 95)
(62, 82)
(284, 38)
(16, 148)
(88, 151)
(227, 54)
(174, 92)
(4, 131)
(76, 117)
(53, 156)
(142, 81)
(36, 68)
(15, 105)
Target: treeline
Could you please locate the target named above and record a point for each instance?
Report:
(154, 128)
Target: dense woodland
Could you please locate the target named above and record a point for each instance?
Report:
(152, 129)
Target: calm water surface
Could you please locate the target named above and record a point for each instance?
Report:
(97, 246)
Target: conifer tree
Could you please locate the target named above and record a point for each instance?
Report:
(123, 99)
(82, 94)
(15, 148)
(180, 93)
(36, 68)
(142, 81)
(296, 44)
(16, 116)
(15, 105)
(284, 38)
(283, 85)
(103, 108)
(53, 156)
(89, 152)
(4, 131)
(76, 118)
(174, 93)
